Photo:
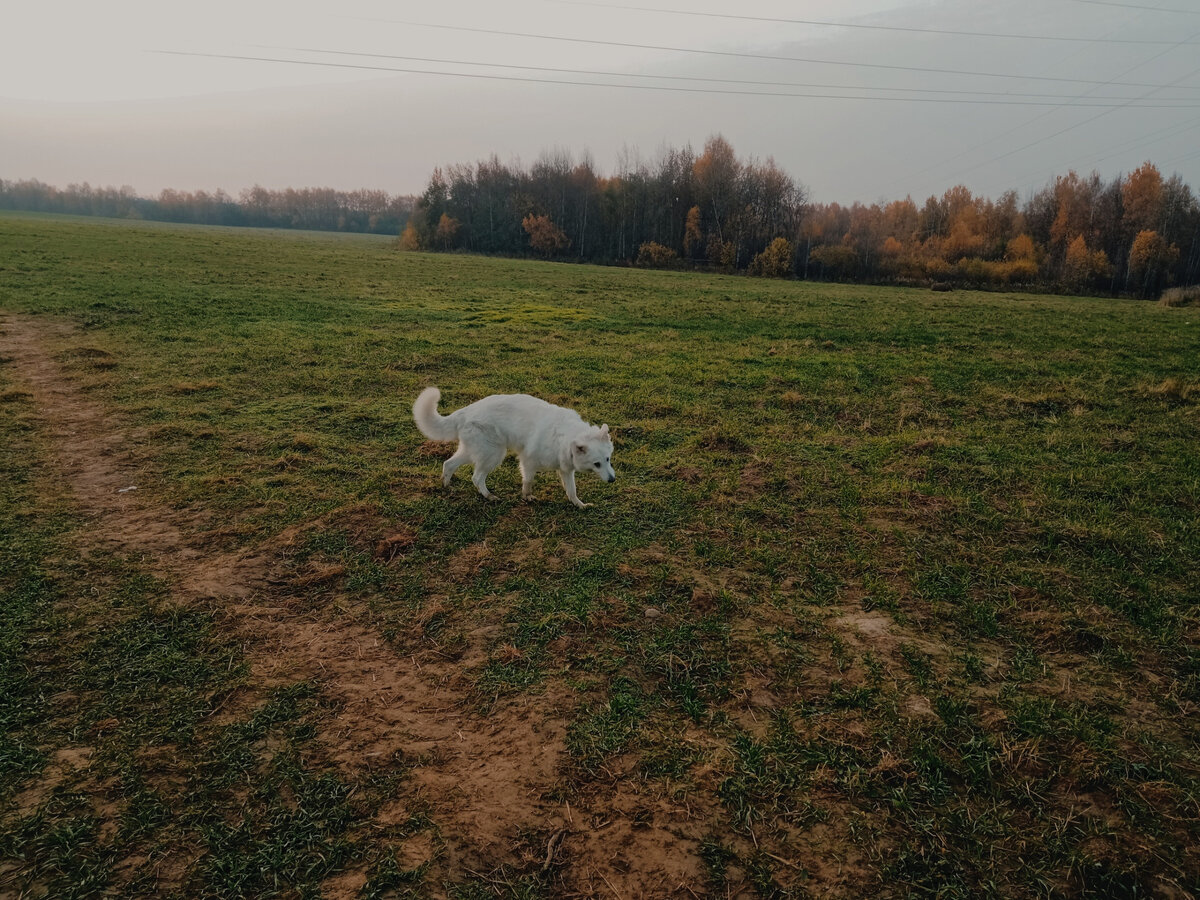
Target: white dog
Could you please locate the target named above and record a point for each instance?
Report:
(542, 435)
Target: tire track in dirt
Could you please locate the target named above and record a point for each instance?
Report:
(485, 779)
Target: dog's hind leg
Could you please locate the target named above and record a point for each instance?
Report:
(486, 459)
(568, 483)
(450, 466)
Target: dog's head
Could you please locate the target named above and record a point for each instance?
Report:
(593, 453)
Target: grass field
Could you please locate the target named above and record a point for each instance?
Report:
(895, 594)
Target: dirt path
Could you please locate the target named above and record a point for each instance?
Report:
(487, 779)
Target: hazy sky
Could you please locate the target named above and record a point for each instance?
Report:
(899, 98)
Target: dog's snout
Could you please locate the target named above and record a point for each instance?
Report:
(612, 477)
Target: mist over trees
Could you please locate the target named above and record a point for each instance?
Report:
(1136, 234)
(317, 209)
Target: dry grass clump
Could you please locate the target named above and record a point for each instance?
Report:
(1176, 389)
(1180, 296)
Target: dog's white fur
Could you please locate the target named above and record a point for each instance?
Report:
(543, 437)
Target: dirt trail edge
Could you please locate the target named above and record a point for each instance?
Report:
(486, 779)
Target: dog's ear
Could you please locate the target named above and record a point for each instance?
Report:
(581, 448)
(603, 431)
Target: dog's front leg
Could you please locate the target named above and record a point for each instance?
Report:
(527, 473)
(568, 482)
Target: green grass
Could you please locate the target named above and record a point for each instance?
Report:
(921, 568)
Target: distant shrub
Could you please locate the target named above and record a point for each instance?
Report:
(653, 255)
(409, 239)
(1181, 296)
(775, 261)
(937, 269)
(910, 269)
(720, 253)
(976, 270)
(1019, 270)
(835, 260)
(991, 271)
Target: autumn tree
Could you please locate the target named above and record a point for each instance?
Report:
(1077, 230)
(409, 239)
(653, 255)
(720, 253)
(770, 203)
(1002, 221)
(429, 209)
(447, 230)
(1083, 267)
(692, 236)
(775, 261)
(1075, 200)
(582, 185)
(900, 221)
(544, 236)
(891, 257)
(865, 233)
(1021, 247)
(1020, 259)
(965, 238)
(1150, 261)
(716, 173)
(1142, 196)
(933, 220)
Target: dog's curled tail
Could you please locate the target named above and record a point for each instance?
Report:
(425, 414)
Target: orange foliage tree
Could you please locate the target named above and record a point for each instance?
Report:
(775, 261)
(1077, 232)
(692, 236)
(447, 230)
(1142, 197)
(653, 255)
(409, 239)
(1150, 259)
(544, 236)
(1083, 267)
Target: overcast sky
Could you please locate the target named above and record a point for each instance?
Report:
(897, 98)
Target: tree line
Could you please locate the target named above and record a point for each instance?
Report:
(1135, 234)
(317, 209)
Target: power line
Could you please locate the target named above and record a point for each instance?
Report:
(1061, 131)
(1179, 159)
(1138, 6)
(1010, 131)
(1121, 149)
(691, 78)
(1154, 137)
(736, 55)
(858, 25)
(655, 87)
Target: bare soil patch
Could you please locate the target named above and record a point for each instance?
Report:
(488, 781)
